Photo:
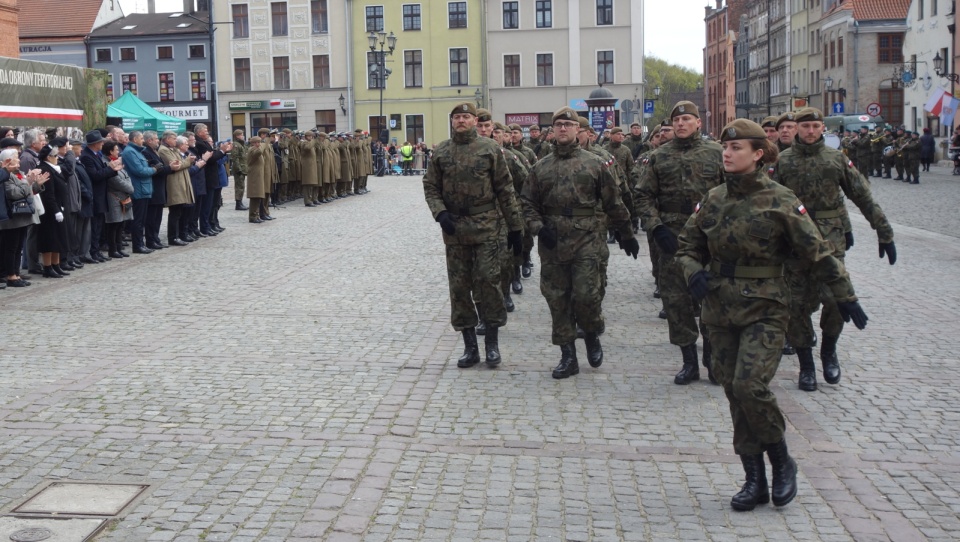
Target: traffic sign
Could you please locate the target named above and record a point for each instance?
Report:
(648, 106)
(873, 109)
(837, 108)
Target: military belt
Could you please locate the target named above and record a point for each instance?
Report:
(826, 213)
(569, 211)
(674, 207)
(746, 272)
(470, 211)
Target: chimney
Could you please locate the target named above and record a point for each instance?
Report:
(151, 6)
(188, 6)
(719, 4)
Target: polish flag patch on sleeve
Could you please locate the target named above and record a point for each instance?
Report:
(850, 164)
(801, 209)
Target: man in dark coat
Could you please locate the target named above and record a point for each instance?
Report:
(85, 214)
(211, 175)
(151, 142)
(99, 172)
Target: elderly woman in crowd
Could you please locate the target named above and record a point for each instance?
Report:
(179, 190)
(52, 232)
(189, 228)
(119, 202)
(17, 187)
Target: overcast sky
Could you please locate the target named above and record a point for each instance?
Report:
(674, 28)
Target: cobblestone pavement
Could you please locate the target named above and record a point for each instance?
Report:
(296, 380)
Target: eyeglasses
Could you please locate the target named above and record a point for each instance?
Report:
(566, 125)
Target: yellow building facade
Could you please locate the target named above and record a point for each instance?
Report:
(437, 62)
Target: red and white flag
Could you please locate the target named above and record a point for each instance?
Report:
(935, 102)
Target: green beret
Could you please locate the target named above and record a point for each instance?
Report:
(584, 122)
(515, 126)
(564, 113)
(808, 114)
(666, 122)
(770, 121)
(685, 108)
(789, 116)
(465, 107)
(742, 129)
(484, 115)
(500, 126)
(617, 130)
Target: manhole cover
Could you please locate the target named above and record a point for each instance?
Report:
(20, 529)
(82, 499)
(33, 534)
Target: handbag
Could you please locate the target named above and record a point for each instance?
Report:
(22, 207)
(124, 203)
(38, 205)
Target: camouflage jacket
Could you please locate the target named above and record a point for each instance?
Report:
(519, 171)
(821, 176)
(623, 183)
(563, 192)
(542, 148)
(676, 176)
(635, 143)
(624, 157)
(753, 222)
(468, 176)
(238, 158)
(526, 151)
(911, 149)
(864, 146)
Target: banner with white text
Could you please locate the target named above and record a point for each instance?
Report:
(40, 93)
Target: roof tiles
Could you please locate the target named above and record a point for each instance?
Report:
(46, 18)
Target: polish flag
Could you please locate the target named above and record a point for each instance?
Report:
(935, 102)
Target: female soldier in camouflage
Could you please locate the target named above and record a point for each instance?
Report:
(732, 251)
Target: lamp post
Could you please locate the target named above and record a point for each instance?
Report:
(938, 68)
(380, 39)
(343, 103)
(214, 115)
(478, 96)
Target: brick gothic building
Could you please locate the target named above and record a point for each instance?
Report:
(10, 43)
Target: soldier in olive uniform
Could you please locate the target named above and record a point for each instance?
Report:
(635, 142)
(519, 170)
(346, 165)
(732, 252)
(560, 202)
(516, 143)
(864, 152)
(657, 136)
(876, 148)
(270, 174)
(256, 181)
(899, 141)
(911, 158)
(677, 176)
(848, 145)
(466, 186)
(769, 125)
(786, 130)
(820, 177)
(889, 153)
(238, 168)
(308, 149)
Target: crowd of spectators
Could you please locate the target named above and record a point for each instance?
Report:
(68, 203)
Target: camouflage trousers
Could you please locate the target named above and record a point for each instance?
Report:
(654, 257)
(865, 166)
(474, 274)
(682, 310)
(912, 167)
(572, 291)
(745, 360)
(239, 185)
(898, 164)
(806, 295)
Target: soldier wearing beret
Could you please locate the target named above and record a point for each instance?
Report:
(769, 125)
(516, 143)
(743, 291)
(466, 186)
(519, 170)
(821, 177)
(256, 178)
(864, 152)
(560, 202)
(635, 142)
(911, 158)
(676, 177)
(889, 152)
(270, 173)
(238, 168)
(786, 130)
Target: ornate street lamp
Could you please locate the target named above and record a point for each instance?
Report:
(381, 39)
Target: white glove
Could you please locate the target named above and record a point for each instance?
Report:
(59, 217)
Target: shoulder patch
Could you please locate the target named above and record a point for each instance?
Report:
(850, 164)
(801, 209)
(646, 160)
(697, 208)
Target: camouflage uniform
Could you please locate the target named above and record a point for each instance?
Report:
(911, 159)
(864, 155)
(654, 250)
(876, 148)
(238, 168)
(676, 176)
(468, 177)
(743, 233)
(636, 145)
(820, 177)
(526, 151)
(541, 148)
(563, 192)
(888, 161)
(898, 143)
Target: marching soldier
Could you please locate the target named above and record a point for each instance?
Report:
(519, 171)
(560, 202)
(769, 125)
(635, 141)
(889, 153)
(821, 177)
(238, 168)
(466, 186)
(677, 175)
(864, 152)
(900, 140)
(786, 130)
(911, 158)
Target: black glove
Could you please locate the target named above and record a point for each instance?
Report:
(666, 240)
(515, 242)
(698, 284)
(849, 238)
(447, 223)
(890, 250)
(548, 236)
(851, 310)
(630, 246)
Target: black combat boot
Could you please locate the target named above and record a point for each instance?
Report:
(481, 328)
(568, 361)
(754, 490)
(610, 238)
(899, 177)
(708, 361)
(240, 206)
(788, 349)
(808, 371)
(916, 180)
(471, 353)
(491, 345)
(527, 268)
(784, 473)
(828, 357)
(656, 291)
(690, 370)
(594, 350)
(516, 285)
(508, 302)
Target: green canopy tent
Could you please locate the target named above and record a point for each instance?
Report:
(152, 119)
(130, 120)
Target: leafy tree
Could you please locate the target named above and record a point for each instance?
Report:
(676, 83)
